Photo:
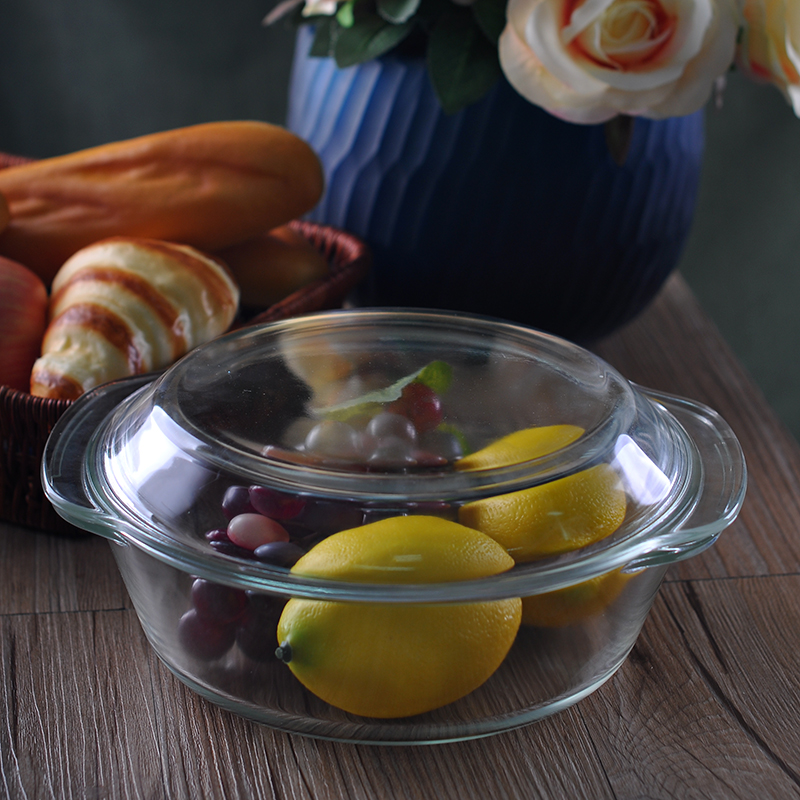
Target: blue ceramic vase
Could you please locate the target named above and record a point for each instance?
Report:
(501, 208)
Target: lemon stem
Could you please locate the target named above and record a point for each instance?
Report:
(284, 652)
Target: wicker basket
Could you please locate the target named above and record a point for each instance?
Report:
(26, 421)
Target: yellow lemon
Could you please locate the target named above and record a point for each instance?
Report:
(395, 660)
(573, 603)
(521, 446)
(553, 518)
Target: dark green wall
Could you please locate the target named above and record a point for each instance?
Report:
(743, 255)
(75, 73)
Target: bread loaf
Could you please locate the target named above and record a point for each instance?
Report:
(126, 306)
(271, 266)
(209, 186)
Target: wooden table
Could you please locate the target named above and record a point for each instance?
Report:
(707, 705)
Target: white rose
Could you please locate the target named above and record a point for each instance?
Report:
(589, 60)
(770, 45)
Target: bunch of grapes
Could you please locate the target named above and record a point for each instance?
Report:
(276, 528)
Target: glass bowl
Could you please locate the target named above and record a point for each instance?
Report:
(393, 526)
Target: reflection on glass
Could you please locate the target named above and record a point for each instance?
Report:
(643, 480)
(160, 470)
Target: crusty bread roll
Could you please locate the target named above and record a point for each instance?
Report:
(271, 266)
(127, 306)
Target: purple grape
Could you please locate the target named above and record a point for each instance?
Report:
(395, 426)
(274, 504)
(421, 405)
(256, 633)
(217, 603)
(281, 554)
(265, 604)
(203, 638)
(391, 453)
(329, 516)
(308, 540)
(367, 443)
(295, 530)
(228, 548)
(332, 439)
(424, 459)
(236, 501)
(443, 443)
(252, 530)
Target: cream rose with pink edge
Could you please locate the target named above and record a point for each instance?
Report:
(769, 48)
(589, 61)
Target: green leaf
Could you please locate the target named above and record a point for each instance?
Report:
(462, 63)
(437, 376)
(345, 16)
(324, 38)
(430, 11)
(370, 37)
(397, 11)
(491, 17)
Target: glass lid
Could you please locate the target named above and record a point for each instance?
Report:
(347, 420)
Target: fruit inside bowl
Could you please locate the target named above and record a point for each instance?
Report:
(393, 525)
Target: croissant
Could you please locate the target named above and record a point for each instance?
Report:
(126, 306)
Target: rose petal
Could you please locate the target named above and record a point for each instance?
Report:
(528, 76)
(582, 17)
(770, 45)
(541, 32)
(696, 83)
(689, 35)
(793, 88)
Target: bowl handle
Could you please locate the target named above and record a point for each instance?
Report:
(68, 447)
(722, 483)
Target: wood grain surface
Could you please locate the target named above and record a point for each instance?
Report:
(706, 706)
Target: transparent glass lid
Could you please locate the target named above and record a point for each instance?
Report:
(340, 420)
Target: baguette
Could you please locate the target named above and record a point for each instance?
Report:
(209, 186)
(128, 306)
